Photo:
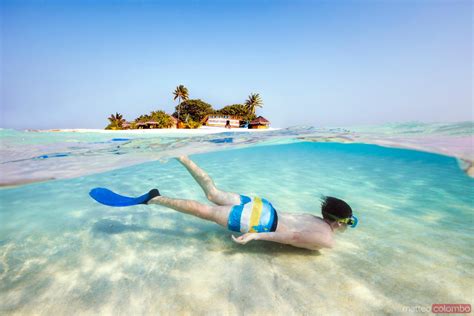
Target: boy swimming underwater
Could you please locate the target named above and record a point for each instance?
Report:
(255, 217)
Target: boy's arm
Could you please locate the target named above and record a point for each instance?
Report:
(302, 239)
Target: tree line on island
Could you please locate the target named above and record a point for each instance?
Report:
(189, 113)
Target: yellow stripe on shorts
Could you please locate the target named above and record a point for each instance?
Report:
(256, 213)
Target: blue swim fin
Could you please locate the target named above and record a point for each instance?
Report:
(107, 197)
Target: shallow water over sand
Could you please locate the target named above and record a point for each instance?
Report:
(62, 253)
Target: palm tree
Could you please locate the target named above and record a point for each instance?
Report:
(142, 118)
(116, 120)
(181, 93)
(253, 102)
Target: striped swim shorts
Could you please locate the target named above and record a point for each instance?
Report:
(254, 215)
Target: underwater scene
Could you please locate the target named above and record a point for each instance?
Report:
(61, 252)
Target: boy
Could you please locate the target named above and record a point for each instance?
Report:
(255, 217)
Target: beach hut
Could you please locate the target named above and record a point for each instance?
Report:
(141, 125)
(221, 120)
(126, 125)
(259, 122)
(152, 124)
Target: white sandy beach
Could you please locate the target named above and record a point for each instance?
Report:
(161, 131)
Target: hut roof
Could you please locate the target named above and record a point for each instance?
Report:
(260, 120)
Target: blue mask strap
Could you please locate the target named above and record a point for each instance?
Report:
(355, 221)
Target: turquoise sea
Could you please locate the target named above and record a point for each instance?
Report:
(61, 253)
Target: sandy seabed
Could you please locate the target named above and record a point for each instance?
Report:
(61, 253)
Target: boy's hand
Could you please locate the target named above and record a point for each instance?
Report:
(245, 238)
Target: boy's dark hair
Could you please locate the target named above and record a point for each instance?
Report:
(335, 207)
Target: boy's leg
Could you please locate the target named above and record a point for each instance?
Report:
(217, 214)
(213, 194)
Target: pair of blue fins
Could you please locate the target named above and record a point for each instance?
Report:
(110, 198)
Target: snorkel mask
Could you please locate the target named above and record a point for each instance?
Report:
(350, 221)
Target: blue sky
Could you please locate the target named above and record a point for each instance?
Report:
(325, 63)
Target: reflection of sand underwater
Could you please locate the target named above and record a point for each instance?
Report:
(62, 253)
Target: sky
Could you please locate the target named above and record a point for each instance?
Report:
(71, 64)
